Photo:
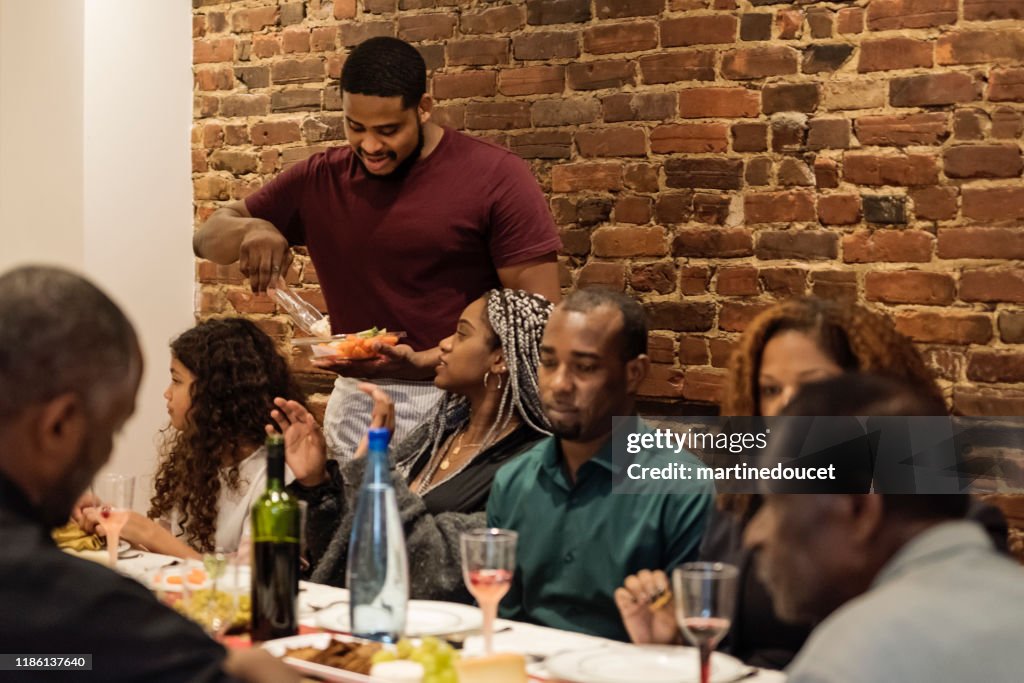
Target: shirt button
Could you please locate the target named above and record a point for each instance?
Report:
(569, 557)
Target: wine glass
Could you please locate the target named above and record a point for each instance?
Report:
(705, 594)
(116, 492)
(210, 591)
(488, 562)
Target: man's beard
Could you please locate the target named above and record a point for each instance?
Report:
(403, 168)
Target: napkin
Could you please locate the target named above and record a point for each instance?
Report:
(72, 537)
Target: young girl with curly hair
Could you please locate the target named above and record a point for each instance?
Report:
(225, 375)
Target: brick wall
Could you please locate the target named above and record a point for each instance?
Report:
(709, 156)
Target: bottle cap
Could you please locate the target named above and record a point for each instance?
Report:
(379, 438)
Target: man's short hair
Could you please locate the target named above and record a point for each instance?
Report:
(59, 333)
(385, 67)
(634, 320)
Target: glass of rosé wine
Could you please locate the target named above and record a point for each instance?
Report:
(488, 563)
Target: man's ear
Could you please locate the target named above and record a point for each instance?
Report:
(636, 372)
(425, 107)
(867, 516)
(61, 428)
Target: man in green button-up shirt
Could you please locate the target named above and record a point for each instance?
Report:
(577, 540)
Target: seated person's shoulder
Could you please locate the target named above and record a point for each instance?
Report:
(524, 465)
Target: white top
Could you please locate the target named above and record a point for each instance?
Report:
(947, 607)
(233, 506)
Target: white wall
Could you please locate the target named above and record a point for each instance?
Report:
(96, 173)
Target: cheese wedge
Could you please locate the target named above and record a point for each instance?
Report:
(499, 668)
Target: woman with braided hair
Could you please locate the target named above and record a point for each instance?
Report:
(489, 413)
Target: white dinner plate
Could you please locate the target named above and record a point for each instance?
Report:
(320, 641)
(158, 579)
(648, 663)
(424, 618)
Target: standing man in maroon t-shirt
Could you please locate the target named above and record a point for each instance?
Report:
(406, 226)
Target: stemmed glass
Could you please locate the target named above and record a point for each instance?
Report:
(488, 563)
(116, 492)
(705, 595)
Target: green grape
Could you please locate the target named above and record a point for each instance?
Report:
(444, 658)
(404, 648)
(432, 678)
(446, 676)
(429, 644)
(383, 656)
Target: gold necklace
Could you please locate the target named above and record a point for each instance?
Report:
(455, 450)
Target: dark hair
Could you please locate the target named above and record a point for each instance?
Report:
(865, 395)
(386, 67)
(59, 333)
(634, 320)
(238, 371)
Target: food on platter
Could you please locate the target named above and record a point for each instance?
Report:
(496, 668)
(352, 656)
(356, 346)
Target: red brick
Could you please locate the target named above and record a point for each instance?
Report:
(477, 51)
(993, 243)
(908, 169)
(850, 20)
(976, 47)
(353, 33)
(934, 203)
(275, 132)
(827, 133)
(978, 401)
(712, 209)
(784, 282)
(995, 366)
(542, 144)
(619, 9)
(264, 46)
(717, 243)
(1006, 85)
(693, 350)
(557, 11)
(735, 316)
(983, 161)
(255, 19)
(680, 316)
(344, 9)
(759, 62)
(244, 301)
(778, 207)
(297, 99)
(690, 138)
(532, 80)
(465, 84)
(661, 349)
(416, 28)
(674, 208)
(1004, 284)
(237, 163)
(994, 204)
(295, 40)
(497, 115)
(839, 209)
(749, 137)
(639, 107)
(323, 38)
(756, 26)
(641, 177)
(1006, 124)
(297, 70)
(624, 242)
(704, 385)
(616, 38)
(546, 45)
(738, 281)
(909, 287)
(694, 280)
(819, 19)
(586, 176)
(1011, 327)
(894, 53)
(790, 23)
(797, 244)
(237, 134)
(700, 30)
(599, 75)
(903, 131)
(884, 15)
(825, 57)
(779, 97)
(835, 285)
(991, 10)
(612, 142)
(706, 173)
(633, 209)
(562, 111)
(494, 20)
(947, 327)
(653, 277)
(216, 78)
(888, 246)
(245, 105)
(217, 50)
(662, 381)
(759, 172)
(969, 124)
(696, 103)
(606, 274)
(933, 89)
(671, 67)
(199, 164)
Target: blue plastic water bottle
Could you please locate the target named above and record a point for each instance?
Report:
(378, 569)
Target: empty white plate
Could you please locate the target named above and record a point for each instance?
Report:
(424, 618)
(650, 663)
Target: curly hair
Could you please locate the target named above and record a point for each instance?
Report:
(238, 371)
(855, 338)
(516, 319)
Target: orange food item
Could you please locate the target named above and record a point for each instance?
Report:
(359, 346)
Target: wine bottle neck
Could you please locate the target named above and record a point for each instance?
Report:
(275, 466)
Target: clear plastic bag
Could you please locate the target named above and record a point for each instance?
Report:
(303, 313)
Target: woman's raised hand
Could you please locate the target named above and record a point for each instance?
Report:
(647, 617)
(304, 446)
(383, 414)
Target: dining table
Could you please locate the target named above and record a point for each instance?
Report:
(540, 644)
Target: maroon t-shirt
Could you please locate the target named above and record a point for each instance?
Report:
(410, 253)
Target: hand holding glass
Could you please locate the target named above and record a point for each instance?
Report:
(116, 493)
(488, 562)
(705, 595)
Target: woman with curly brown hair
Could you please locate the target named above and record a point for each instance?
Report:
(225, 375)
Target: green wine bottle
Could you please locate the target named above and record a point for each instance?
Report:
(276, 523)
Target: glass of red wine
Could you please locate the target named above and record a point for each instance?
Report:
(705, 595)
(488, 562)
